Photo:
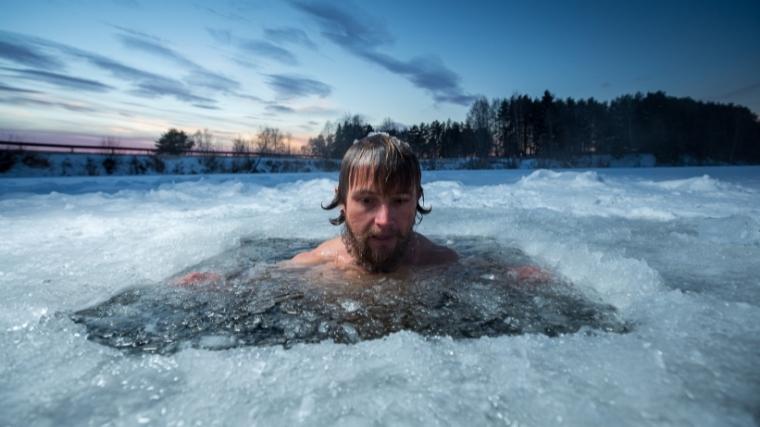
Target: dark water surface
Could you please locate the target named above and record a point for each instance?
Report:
(260, 303)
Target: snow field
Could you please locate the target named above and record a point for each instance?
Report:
(674, 250)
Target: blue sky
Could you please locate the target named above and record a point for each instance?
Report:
(84, 70)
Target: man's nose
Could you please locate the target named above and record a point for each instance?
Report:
(384, 214)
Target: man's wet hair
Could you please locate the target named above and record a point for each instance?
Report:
(381, 160)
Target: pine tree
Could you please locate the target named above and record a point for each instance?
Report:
(174, 142)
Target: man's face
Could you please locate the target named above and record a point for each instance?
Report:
(379, 225)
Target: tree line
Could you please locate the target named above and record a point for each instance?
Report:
(269, 140)
(672, 129)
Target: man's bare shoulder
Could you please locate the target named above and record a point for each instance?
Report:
(428, 252)
(332, 250)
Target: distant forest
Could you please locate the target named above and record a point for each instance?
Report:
(674, 130)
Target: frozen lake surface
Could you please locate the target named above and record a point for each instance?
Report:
(674, 251)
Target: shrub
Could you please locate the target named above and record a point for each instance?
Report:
(273, 166)
(477, 163)
(178, 169)
(91, 167)
(328, 165)
(7, 160)
(35, 161)
(235, 166)
(158, 165)
(66, 167)
(109, 164)
(136, 167)
(290, 166)
(210, 164)
(248, 165)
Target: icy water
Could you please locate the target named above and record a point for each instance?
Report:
(259, 302)
(656, 286)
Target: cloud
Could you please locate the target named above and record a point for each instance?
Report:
(363, 36)
(206, 107)
(269, 50)
(145, 84)
(16, 49)
(278, 108)
(317, 110)
(4, 88)
(250, 97)
(59, 80)
(291, 86)
(243, 63)
(20, 100)
(137, 33)
(352, 29)
(199, 76)
(235, 16)
(221, 36)
(156, 87)
(153, 47)
(289, 35)
(262, 48)
(211, 80)
(309, 110)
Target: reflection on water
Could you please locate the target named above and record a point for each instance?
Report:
(260, 303)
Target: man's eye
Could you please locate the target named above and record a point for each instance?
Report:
(400, 201)
(366, 200)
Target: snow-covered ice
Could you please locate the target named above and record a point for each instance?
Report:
(676, 250)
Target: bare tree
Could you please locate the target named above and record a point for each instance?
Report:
(241, 146)
(388, 126)
(206, 145)
(328, 129)
(318, 146)
(268, 140)
(204, 141)
(110, 162)
(110, 144)
(288, 138)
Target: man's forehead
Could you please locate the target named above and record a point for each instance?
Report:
(380, 181)
(374, 188)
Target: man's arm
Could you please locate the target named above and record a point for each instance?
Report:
(326, 252)
(530, 274)
(306, 258)
(198, 278)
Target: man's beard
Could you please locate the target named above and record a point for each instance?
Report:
(371, 260)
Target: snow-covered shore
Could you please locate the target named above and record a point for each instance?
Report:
(42, 164)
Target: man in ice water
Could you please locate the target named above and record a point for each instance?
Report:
(380, 198)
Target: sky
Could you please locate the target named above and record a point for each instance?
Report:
(83, 71)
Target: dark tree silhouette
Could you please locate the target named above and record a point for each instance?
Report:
(351, 129)
(174, 142)
(674, 130)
